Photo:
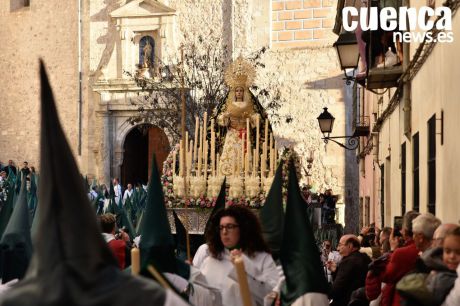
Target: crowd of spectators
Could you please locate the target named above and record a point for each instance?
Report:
(378, 267)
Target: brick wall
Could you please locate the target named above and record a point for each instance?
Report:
(299, 24)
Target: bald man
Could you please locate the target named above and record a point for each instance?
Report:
(440, 233)
(351, 272)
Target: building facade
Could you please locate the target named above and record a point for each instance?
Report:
(88, 46)
(408, 160)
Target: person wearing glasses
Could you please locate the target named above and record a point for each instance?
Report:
(236, 231)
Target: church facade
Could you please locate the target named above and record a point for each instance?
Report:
(89, 47)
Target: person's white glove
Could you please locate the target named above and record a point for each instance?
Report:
(137, 241)
(281, 279)
(178, 282)
(270, 298)
(6, 286)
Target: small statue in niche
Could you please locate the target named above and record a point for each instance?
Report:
(147, 55)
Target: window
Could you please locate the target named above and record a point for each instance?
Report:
(432, 165)
(415, 172)
(18, 4)
(403, 179)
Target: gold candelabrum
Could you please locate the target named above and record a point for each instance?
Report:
(201, 175)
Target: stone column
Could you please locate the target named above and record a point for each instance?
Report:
(106, 149)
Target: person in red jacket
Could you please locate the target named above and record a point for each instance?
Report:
(118, 244)
(399, 263)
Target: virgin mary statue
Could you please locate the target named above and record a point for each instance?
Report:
(232, 115)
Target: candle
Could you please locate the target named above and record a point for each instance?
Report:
(238, 170)
(200, 153)
(205, 122)
(248, 146)
(264, 150)
(197, 124)
(135, 261)
(186, 141)
(266, 130)
(243, 138)
(186, 144)
(243, 281)
(218, 164)
(174, 163)
(256, 156)
(180, 158)
(271, 154)
(189, 158)
(263, 161)
(213, 149)
(205, 164)
(254, 164)
(272, 158)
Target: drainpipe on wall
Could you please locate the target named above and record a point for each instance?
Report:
(407, 87)
(80, 87)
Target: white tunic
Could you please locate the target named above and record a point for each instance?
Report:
(261, 270)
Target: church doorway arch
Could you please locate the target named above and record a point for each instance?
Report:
(139, 145)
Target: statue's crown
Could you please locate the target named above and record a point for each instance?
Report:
(240, 73)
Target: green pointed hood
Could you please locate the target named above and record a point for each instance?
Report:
(181, 233)
(300, 256)
(272, 214)
(71, 263)
(157, 243)
(7, 209)
(16, 243)
(220, 204)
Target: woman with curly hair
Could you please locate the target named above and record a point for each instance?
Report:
(236, 231)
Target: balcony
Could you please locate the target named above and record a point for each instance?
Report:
(361, 127)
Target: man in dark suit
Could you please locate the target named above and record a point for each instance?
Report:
(10, 168)
(351, 272)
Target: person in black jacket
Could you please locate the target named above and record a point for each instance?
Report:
(351, 272)
(10, 168)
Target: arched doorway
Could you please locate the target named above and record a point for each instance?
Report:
(139, 145)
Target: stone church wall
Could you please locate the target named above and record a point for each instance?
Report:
(46, 30)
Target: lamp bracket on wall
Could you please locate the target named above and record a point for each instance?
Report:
(351, 143)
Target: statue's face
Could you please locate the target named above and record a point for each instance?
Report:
(239, 93)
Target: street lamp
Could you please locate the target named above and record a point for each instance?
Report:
(348, 53)
(326, 122)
